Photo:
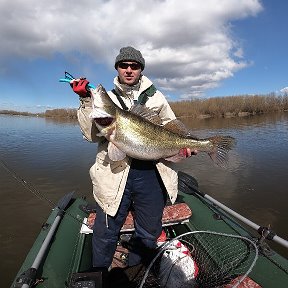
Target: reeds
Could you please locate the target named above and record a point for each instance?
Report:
(230, 106)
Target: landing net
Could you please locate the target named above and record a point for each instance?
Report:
(201, 259)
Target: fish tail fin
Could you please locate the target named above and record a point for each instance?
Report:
(221, 146)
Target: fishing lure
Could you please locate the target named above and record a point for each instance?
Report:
(68, 78)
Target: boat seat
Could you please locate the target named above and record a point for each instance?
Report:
(173, 214)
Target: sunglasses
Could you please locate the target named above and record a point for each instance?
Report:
(133, 66)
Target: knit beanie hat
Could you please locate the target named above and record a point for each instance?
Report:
(130, 54)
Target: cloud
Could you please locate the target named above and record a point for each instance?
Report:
(189, 46)
(284, 91)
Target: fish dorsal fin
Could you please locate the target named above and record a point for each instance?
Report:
(176, 126)
(146, 113)
(114, 153)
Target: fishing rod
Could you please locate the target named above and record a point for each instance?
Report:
(28, 186)
(36, 192)
(189, 185)
(27, 279)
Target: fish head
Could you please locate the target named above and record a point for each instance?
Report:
(103, 111)
(102, 103)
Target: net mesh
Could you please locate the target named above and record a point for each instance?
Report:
(213, 260)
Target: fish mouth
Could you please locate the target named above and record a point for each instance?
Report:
(104, 121)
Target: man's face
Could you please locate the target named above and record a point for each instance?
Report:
(129, 72)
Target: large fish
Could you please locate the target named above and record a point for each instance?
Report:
(140, 134)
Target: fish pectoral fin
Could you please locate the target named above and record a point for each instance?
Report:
(114, 153)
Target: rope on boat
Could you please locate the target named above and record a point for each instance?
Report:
(219, 259)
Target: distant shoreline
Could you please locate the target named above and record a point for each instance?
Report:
(220, 107)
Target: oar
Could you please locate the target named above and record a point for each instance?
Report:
(28, 278)
(189, 185)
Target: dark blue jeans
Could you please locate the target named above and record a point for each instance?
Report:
(146, 194)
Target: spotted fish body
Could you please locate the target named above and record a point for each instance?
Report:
(139, 134)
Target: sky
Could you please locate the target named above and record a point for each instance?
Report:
(210, 48)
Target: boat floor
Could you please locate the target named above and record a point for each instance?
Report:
(122, 276)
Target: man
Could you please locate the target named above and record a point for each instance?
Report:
(128, 184)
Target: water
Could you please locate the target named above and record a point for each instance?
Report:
(52, 157)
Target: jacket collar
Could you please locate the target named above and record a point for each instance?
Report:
(126, 90)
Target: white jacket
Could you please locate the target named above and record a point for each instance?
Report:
(108, 177)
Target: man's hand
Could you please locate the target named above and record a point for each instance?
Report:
(80, 87)
(183, 154)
